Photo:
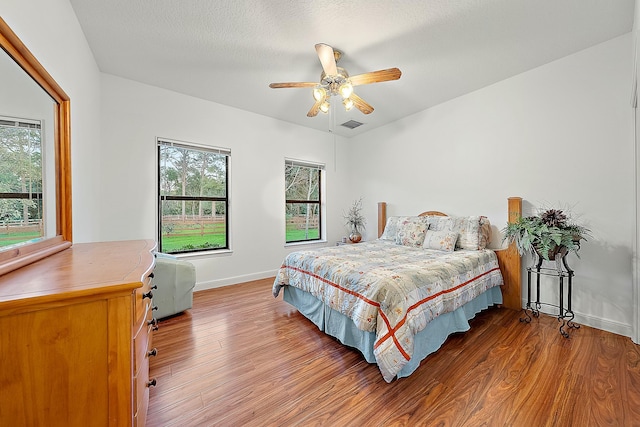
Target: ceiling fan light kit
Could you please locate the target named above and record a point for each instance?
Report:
(319, 93)
(346, 89)
(335, 81)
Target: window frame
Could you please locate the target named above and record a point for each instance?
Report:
(320, 167)
(160, 142)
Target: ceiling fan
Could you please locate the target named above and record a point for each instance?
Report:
(335, 80)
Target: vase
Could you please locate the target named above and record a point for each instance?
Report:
(553, 252)
(355, 236)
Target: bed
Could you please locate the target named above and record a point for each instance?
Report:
(397, 299)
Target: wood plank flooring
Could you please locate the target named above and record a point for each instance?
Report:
(242, 358)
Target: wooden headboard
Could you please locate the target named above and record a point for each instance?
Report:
(433, 213)
(508, 258)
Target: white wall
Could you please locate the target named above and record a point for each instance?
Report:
(134, 114)
(50, 30)
(558, 135)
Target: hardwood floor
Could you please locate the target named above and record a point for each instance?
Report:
(242, 358)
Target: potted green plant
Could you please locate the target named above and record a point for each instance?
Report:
(355, 221)
(547, 234)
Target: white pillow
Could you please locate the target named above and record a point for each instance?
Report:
(443, 240)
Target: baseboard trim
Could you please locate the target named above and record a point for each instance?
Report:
(228, 281)
(604, 324)
(595, 322)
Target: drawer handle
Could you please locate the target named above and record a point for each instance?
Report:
(151, 383)
(151, 275)
(147, 295)
(154, 323)
(154, 287)
(155, 307)
(153, 352)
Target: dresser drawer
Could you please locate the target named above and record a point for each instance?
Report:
(142, 297)
(141, 393)
(142, 341)
(140, 418)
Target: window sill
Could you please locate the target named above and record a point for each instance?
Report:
(314, 242)
(203, 254)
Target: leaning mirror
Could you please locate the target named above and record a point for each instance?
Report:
(35, 178)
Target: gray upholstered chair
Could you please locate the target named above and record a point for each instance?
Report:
(175, 280)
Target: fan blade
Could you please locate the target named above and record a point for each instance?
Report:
(376, 76)
(361, 104)
(316, 107)
(294, 84)
(327, 59)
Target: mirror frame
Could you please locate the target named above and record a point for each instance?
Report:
(24, 254)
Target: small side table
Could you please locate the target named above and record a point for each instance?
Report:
(560, 271)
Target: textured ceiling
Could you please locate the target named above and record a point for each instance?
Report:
(229, 51)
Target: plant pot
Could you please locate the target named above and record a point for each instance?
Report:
(553, 252)
(355, 237)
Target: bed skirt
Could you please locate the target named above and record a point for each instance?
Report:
(427, 341)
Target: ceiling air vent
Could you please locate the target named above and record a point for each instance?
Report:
(351, 124)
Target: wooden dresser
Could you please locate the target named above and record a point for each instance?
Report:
(75, 337)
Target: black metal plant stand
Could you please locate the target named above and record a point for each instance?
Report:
(561, 271)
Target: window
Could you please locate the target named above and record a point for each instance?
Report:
(303, 200)
(193, 197)
(21, 210)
